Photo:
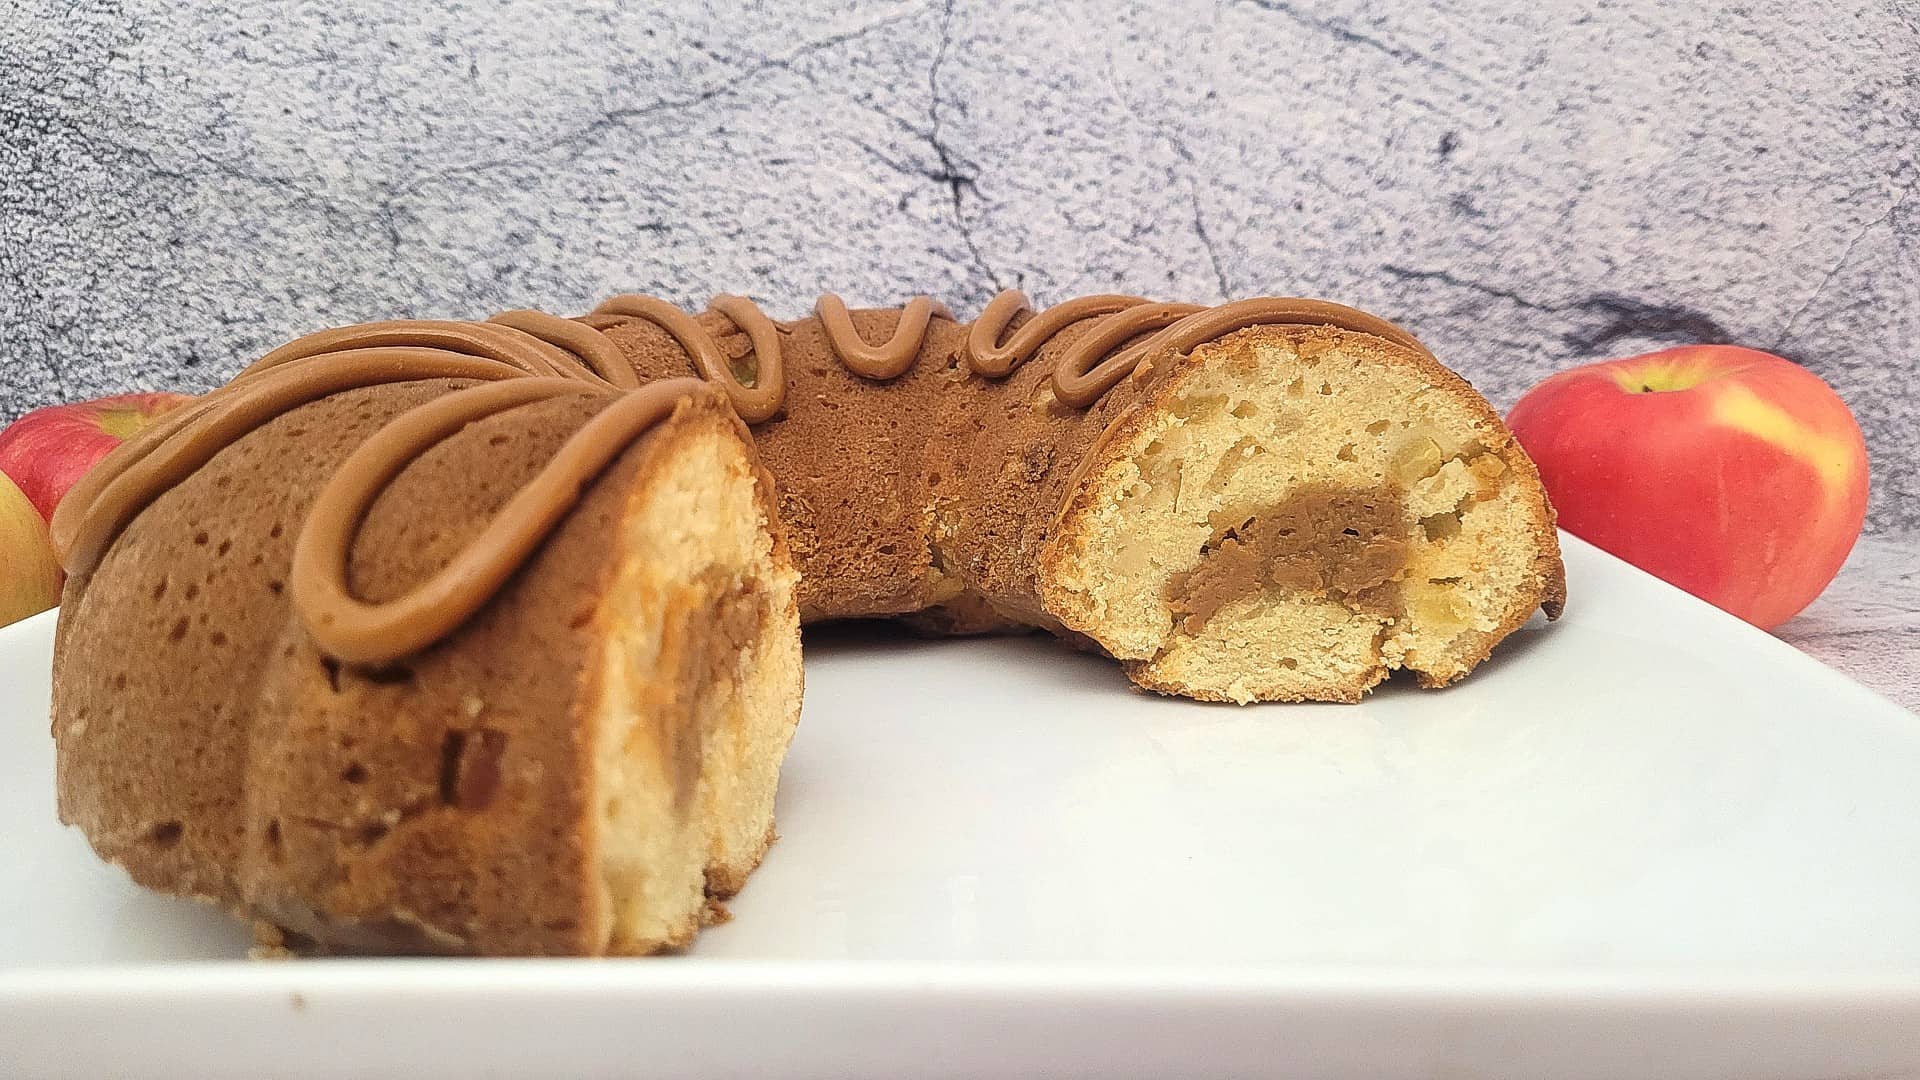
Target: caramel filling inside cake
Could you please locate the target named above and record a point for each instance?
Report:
(1304, 515)
(699, 691)
(1346, 545)
(712, 625)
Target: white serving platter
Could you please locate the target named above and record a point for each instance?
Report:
(1649, 841)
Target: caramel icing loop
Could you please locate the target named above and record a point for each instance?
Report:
(1094, 364)
(602, 359)
(884, 361)
(988, 355)
(356, 631)
(1098, 362)
(1080, 380)
(530, 355)
(1216, 322)
(756, 403)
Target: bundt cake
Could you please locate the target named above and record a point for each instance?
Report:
(483, 637)
(432, 641)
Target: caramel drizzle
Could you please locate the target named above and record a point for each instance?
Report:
(1086, 369)
(1101, 359)
(521, 357)
(884, 361)
(127, 480)
(755, 403)
(353, 630)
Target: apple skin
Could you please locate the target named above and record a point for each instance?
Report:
(48, 450)
(29, 575)
(1735, 474)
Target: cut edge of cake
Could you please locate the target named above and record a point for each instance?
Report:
(698, 692)
(1291, 514)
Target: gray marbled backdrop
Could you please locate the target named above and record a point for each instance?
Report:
(1525, 185)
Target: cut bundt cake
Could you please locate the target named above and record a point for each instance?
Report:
(430, 642)
(484, 637)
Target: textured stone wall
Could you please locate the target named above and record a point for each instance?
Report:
(1525, 185)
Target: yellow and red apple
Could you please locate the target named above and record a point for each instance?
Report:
(48, 450)
(1735, 474)
(29, 574)
(42, 455)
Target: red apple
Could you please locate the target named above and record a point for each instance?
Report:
(48, 450)
(1732, 473)
(29, 575)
